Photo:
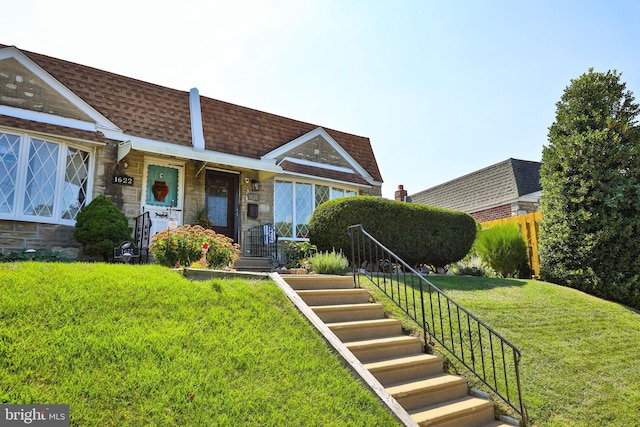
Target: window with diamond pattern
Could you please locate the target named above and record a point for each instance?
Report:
(294, 202)
(53, 184)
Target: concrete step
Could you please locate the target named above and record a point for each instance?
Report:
(349, 312)
(429, 391)
(334, 296)
(366, 329)
(399, 370)
(464, 412)
(385, 348)
(255, 264)
(317, 281)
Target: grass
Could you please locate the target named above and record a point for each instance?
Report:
(580, 353)
(141, 345)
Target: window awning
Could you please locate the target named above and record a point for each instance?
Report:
(206, 156)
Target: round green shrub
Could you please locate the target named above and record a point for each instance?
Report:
(101, 227)
(418, 234)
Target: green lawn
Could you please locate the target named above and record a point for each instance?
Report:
(140, 345)
(579, 353)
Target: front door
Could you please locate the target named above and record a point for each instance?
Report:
(162, 193)
(221, 191)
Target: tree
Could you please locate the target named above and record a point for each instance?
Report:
(590, 178)
(100, 227)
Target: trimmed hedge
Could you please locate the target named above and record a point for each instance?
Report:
(418, 234)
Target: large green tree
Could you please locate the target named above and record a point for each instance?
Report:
(590, 178)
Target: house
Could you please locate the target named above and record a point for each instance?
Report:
(69, 132)
(511, 187)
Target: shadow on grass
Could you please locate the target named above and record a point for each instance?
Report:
(470, 283)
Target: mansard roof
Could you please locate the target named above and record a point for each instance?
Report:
(491, 186)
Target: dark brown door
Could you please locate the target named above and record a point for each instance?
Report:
(222, 202)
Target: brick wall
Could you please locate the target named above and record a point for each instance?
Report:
(490, 214)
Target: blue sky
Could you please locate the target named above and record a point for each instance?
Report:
(441, 88)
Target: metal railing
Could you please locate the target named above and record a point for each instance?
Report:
(142, 235)
(262, 241)
(480, 349)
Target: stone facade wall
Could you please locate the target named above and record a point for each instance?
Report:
(263, 197)
(529, 207)
(19, 235)
(317, 150)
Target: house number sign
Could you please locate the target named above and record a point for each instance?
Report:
(122, 180)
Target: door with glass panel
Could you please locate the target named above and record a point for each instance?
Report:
(162, 193)
(221, 197)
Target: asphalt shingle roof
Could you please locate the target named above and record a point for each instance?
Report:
(490, 186)
(159, 113)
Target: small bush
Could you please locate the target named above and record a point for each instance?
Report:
(42, 255)
(297, 253)
(329, 263)
(101, 227)
(504, 249)
(189, 246)
(472, 265)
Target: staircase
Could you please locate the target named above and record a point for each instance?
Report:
(414, 379)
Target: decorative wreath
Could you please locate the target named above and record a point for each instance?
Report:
(159, 190)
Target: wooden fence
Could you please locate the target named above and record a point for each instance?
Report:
(529, 225)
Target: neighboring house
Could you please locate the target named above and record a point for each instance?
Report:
(69, 132)
(508, 188)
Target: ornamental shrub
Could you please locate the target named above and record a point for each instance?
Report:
(418, 234)
(297, 253)
(188, 245)
(101, 227)
(329, 263)
(504, 249)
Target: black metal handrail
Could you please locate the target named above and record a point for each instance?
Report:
(480, 349)
(262, 241)
(142, 235)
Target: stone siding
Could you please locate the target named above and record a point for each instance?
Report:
(20, 235)
(317, 150)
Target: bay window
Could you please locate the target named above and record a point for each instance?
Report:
(295, 202)
(41, 180)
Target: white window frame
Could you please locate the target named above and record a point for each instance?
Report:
(293, 182)
(21, 178)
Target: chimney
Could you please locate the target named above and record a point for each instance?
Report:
(401, 194)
